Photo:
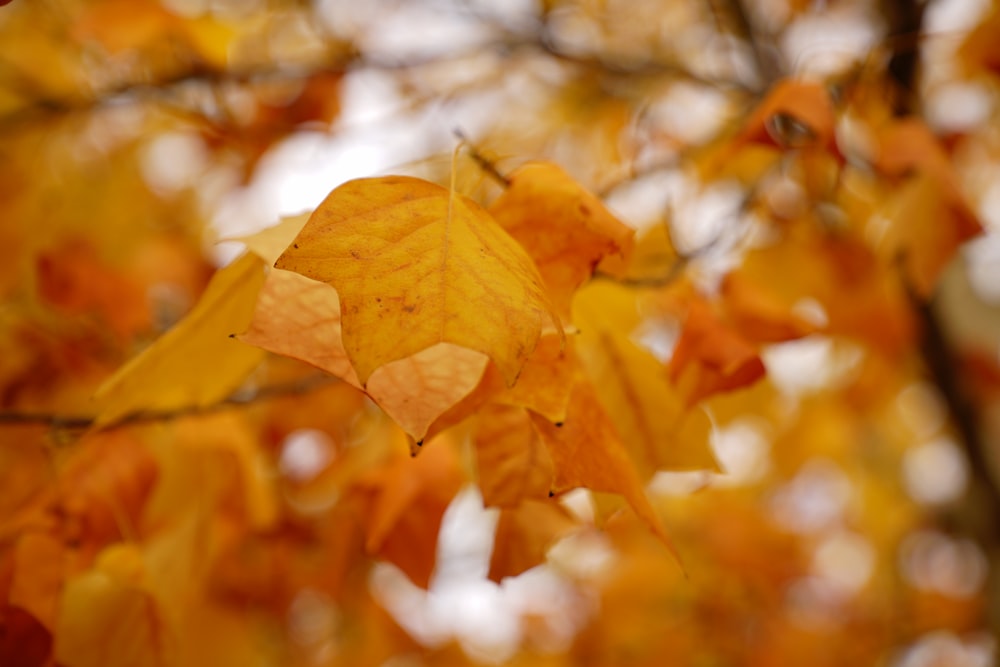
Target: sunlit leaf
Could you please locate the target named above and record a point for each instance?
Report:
(648, 413)
(524, 534)
(566, 229)
(301, 318)
(414, 266)
(587, 452)
(511, 459)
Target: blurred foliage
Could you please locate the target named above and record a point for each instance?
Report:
(798, 353)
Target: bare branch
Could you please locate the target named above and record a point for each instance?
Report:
(76, 422)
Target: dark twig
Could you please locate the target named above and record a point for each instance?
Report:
(76, 422)
(484, 163)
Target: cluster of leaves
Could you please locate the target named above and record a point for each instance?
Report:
(203, 467)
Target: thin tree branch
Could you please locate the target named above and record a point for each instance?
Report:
(767, 66)
(75, 422)
(484, 163)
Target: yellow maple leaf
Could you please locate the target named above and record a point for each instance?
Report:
(655, 425)
(415, 265)
(300, 318)
(195, 364)
(108, 619)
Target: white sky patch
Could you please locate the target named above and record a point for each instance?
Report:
(658, 337)
(983, 257)
(815, 499)
(932, 561)
(586, 554)
(827, 42)
(809, 364)
(680, 483)
(954, 16)
(304, 454)
(461, 604)
(641, 203)
(957, 106)
(935, 472)
(173, 161)
(579, 503)
(743, 450)
(943, 647)
(689, 112)
(846, 560)
(298, 173)
(702, 214)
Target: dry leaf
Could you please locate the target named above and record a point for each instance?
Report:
(655, 425)
(415, 265)
(300, 318)
(511, 459)
(566, 229)
(524, 534)
(587, 452)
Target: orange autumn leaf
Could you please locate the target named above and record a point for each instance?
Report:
(511, 459)
(546, 381)
(301, 318)
(654, 257)
(980, 48)
(759, 315)
(524, 534)
(587, 452)
(861, 298)
(928, 216)
(74, 280)
(566, 229)
(543, 387)
(170, 373)
(39, 566)
(792, 115)
(24, 641)
(402, 503)
(924, 231)
(710, 357)
(415, 265)
(907, 146)
(103, 489)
